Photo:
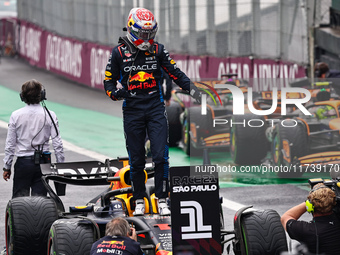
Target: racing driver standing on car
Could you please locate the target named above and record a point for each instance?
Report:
(138, 63)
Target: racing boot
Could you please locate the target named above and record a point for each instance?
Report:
(140, 208)
(163, 208)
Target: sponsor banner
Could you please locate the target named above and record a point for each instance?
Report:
(85, 62)
(195, 209)
(262, 74)
(79, 61)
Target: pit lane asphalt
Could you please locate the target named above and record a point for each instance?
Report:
(91, 127)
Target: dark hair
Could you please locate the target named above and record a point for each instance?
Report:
(320, 69)
(31, 92)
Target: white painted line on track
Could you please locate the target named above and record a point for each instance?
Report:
(71, 147)
(85, 152)
(231, 204)
(3, 124)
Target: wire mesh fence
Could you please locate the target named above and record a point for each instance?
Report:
(276, 29)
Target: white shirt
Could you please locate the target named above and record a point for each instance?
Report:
(29, 127)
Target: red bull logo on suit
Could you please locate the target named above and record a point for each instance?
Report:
(146, 80)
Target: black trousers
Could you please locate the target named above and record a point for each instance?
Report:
(27, 177)
(154, 121)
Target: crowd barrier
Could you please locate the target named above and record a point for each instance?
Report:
(84, 62)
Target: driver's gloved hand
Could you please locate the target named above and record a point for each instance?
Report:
(195, 93)
(121, 93)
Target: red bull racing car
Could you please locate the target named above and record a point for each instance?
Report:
(41, 225)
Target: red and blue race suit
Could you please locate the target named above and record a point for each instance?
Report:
(141, 74)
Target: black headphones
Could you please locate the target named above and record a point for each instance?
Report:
(42, 95)
(317, 73)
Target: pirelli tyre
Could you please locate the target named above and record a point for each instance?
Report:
(249, 144)
(28, 221)
(186, 133)
(72, 236)
(263, 233)
(196, 127)
(174, 111)
(289, 142)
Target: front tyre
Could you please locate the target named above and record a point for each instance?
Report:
(71, 237)
(28, 220)
(289, 143)
(248, 144)
(263, 233)
(174, 110)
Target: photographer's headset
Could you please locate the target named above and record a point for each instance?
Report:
(42, 98)
(309, 204)
(42, 95)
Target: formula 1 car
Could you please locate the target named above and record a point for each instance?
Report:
(41, 225)
(295, 140)
(194, 132)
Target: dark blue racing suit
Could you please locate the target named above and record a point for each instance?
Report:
(141, 75)
(116, 245)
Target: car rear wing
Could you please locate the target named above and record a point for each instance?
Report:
(83, 173)
(84, 168)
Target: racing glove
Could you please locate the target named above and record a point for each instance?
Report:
(195, 93)
(119, 94)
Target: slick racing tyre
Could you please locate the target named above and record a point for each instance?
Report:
(173, 111)
(186, 133)
(248, 143)
(71, 237)
(263, 233)
(28, 221)
(288, 144)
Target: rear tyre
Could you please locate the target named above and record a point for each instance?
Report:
(28, 221)
(248, 144)
(174, 110)
(263, 233)
(196, 127)
(71, 237)
(288, 144)
(186, 134)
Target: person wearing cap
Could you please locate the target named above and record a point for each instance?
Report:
(138, 63)
(321, 235)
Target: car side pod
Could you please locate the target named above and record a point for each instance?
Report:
(239, 241)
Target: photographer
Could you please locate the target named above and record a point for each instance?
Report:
(322, 71)
(118, 237)
(322, 234)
